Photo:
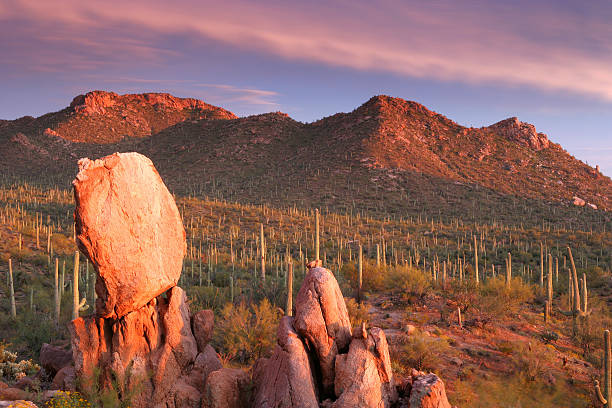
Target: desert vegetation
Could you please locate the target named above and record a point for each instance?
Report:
(483, 305)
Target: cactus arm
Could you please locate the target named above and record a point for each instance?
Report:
(600, 397)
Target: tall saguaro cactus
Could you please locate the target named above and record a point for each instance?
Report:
(56, 294)
(289, 288)
(360, 278)
(75, 287)
(262, 248)
(476, 258)
(12, 289)
(606, 398)
(317, 234)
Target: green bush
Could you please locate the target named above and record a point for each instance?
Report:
(246, 333)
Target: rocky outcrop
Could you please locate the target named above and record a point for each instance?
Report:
(128, 225)
(286, 379)
(154, 339)
(320, 333)
(98, 102)
(524, 133)
(322, 320)
(428, 392)
(142, 342)
(363, 376)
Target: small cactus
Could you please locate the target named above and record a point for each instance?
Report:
(605, 398)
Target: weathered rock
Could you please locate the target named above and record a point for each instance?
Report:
(186, 396)
(130, 228)
(13, 394)
(226, 388)
(428, 392)
(285, 380)
(202, 324)
(53, 358)
(322, 321)
(153, 339)
(363, 376)
(579, 201)
(205, 363)
(64, 379)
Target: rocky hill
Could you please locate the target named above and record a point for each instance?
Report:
(388, 155)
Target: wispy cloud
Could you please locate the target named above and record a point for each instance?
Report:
(519, 43)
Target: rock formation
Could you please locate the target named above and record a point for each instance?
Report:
(316, 347)
(129, 227)
(142, 340)
(322, 320)
(145, 345)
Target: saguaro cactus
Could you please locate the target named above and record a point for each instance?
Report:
(262, 249)
(57, 292)
(606, 397)
(476, 258)
(78, 303)
(12, 289)
(316, 234)
(360, 282)
(289, 288)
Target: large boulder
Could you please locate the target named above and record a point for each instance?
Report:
(227, 388)
(145, 352)
(285, 380)
(53, 358)
(322, 320)
(363, 376)
(428, 392)
(130, 228)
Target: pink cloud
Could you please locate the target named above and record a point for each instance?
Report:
(518, 44)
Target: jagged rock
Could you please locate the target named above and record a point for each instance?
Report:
(285, 380)
(322, 321)
(202, 324)
(53, 358)
(153, 339)
(226, 388)
(428, 392)
(524, 133)
(130, 228)
(205, 363)
(363, 376)
(64, 379)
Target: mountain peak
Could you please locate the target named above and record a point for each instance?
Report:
(97, 102)
(522, 132)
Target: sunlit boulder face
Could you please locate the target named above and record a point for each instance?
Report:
(130, 228)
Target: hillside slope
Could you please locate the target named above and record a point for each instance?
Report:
(388, 155)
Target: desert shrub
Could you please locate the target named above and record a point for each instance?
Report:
(514, 391)
(533, 360)
(246, 333)
(12, 369)
(408, 281)
(498, 300)
(358, 313)
(422, 352)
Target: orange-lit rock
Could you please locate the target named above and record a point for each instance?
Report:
(130, 228)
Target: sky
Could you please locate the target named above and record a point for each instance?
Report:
(477, 62)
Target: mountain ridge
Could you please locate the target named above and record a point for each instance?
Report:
(386, 144)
